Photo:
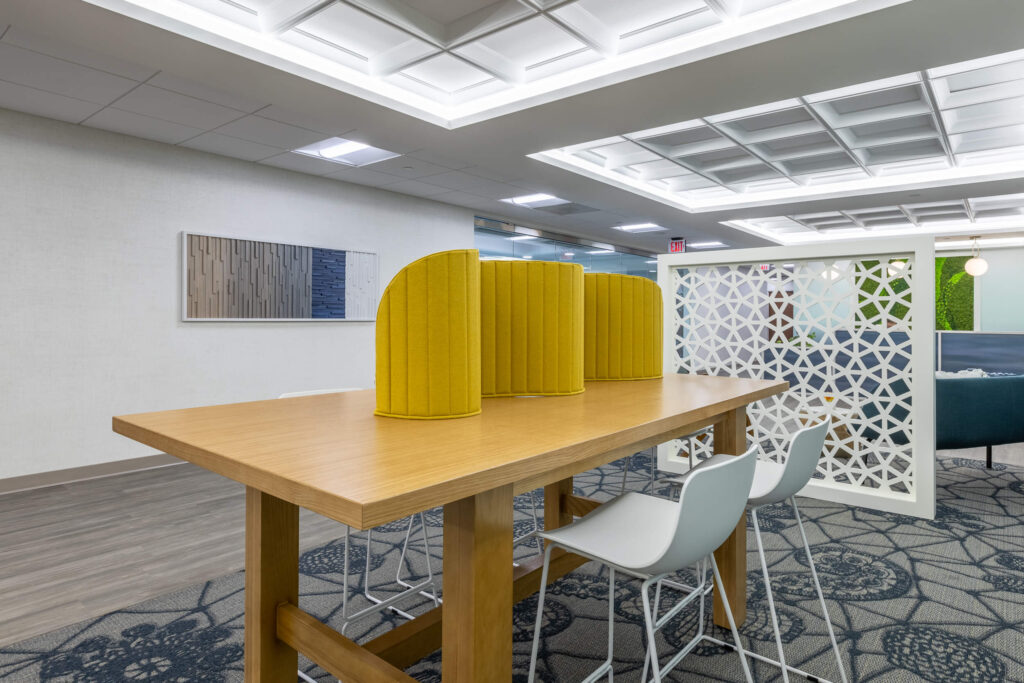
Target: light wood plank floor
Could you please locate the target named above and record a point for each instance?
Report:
(77, 551)
(73, 552)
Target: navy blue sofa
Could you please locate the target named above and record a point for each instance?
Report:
(979, 411)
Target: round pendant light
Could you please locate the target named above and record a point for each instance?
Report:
(976, 266)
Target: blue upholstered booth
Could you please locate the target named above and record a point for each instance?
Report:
(979, 411)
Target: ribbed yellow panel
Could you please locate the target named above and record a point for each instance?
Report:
(623, 330)
(428, 339)
(531, 316)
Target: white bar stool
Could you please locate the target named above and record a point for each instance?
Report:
(773, 483)
(649, 538)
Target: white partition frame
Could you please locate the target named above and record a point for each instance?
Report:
(883, 462)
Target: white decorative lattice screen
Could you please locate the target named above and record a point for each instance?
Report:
(851, 329)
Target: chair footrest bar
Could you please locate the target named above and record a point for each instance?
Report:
(766, 660)
(386, 603)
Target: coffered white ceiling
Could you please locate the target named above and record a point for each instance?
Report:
(453, 62)
(973, 215)
(75, 61)
(934, 127)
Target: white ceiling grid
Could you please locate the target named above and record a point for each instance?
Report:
(973, 214)
(452, 60)
(953, 118)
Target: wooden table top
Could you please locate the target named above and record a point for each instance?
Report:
(330, 454)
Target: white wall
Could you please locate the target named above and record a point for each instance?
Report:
(91, 284)
(999, 291)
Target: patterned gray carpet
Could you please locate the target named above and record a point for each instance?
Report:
(912, 600)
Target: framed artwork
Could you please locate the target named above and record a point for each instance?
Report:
(231, 279)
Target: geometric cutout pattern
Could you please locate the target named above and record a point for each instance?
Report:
(838, 330)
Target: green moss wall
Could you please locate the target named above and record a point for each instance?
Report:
(954, 294)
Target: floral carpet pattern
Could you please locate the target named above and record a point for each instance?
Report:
(912, 600)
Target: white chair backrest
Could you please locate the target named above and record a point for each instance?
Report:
(712, 500)
(804, 452)
(315, 392)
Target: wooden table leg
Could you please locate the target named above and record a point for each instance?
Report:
(271, 577)
(556, 511)
(476, 629)
(731, 556)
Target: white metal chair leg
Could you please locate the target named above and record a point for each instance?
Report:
(817, 587)
(380, 603)
(649, 619)
(626, 462)
(606, 667)
(732, 621)
(536, 523)
(540, 612)
(432, 593)
(768, 591)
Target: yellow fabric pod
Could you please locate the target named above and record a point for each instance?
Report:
(428, 339)
(623, 330)
(531, 316)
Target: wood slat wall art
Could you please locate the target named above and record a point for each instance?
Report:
(237, 279)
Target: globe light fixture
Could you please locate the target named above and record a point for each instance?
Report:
(976, 266)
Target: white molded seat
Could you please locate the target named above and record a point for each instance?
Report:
(649, 538)
(767, 476)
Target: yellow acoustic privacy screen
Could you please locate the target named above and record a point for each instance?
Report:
(623, 333)
(531, 315)
(428, 339)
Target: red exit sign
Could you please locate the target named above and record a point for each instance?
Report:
(677, 245)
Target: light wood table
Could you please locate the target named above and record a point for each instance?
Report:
(330, 454)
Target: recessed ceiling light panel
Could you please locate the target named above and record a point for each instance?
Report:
(537, 200)
(347, 152)
(640, 227)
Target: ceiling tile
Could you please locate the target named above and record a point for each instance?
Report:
(415, 187)
(447, 73)
(199, 91)
(42, 103)
(141, 126)
(72, 53)
(527, 43)
(470, 200)
(438, 159)
(407, 167)
(231, 147)
(267, 132)
(362, 33)
(457, 180)
(302, 164)
(170, 106)
(35, 70)
(493, 190)
(364, 176)
(320, 124)
(491, 174)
